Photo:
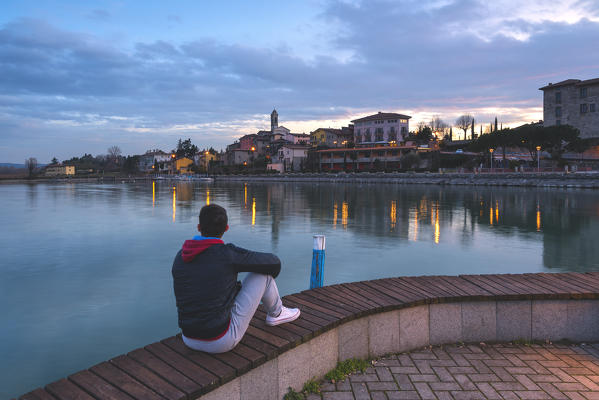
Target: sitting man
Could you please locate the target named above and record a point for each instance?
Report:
(214, 308)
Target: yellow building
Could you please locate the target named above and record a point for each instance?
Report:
(183, 165)
(58, 170)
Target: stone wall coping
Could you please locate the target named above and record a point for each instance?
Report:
(358, 319)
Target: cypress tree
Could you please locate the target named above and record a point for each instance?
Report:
(495, 123)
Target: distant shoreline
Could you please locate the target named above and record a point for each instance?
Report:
(589, 180)
(552, 179)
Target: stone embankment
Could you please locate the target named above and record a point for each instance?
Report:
(558, 180)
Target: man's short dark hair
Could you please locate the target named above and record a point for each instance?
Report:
(213, 220)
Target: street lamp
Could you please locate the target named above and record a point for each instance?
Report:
(491, 151)
(538, 159)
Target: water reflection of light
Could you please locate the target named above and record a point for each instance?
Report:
(415, 225)
(253, 211)
(497, 211)
(174, 203)
(491, 215)
(538, 219)
(335, 215)
(153, 193)
(393, 214)
(344, 213)
(437, 227)
(245, 195)
(207, 197)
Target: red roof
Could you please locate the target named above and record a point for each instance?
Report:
(382, 115)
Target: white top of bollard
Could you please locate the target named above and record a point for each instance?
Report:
(319, 242)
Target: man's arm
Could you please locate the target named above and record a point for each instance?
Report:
(254, 261)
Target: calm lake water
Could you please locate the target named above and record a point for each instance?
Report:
(85, 268)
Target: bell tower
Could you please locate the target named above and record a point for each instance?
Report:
(274, 120)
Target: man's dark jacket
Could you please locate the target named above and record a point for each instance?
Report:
(205, 282)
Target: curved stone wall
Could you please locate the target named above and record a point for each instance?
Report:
(412, 327)
(360, 319)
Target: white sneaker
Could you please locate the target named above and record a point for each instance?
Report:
(286, 315)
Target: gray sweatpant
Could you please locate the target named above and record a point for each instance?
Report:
(255, 287)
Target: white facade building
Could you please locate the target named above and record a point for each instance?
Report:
(292, 156)
(381, 128)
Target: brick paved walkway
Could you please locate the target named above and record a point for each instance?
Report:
(498, 371)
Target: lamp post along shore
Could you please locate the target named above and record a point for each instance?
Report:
(538, 159)
(317, 272)
(491, 151)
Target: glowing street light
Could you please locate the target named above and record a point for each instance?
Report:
(491, 151)
(538, 159)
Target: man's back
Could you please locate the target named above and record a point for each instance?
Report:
(206, 286)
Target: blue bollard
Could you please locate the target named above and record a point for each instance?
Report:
(317, 273)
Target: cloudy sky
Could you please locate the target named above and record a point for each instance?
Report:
(81, 76)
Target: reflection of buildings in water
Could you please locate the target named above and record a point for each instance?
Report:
(174, 203)
(185, 192)
(335, 215)
(579, 251)
(207, 197)
(414, 213)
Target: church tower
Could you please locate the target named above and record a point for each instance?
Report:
(274, 120)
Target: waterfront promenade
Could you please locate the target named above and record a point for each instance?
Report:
(479, 371)
(586, 180)
(370, 319)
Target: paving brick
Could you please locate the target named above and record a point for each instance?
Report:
(552, 391)
(407, 395)
(443, 395)
(524, 373)
(424, 391)
(444, 386)
(372, 386)
(404, 370)
(404, 382)
(384, 374)
(364, 378)
(338, 396)
(443, 374)
(468, 395)
(486, 389)
(360, 391)
(465, 383)
(424, 378)
(533, 395)
(343, 386)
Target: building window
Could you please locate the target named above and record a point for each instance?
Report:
(403, 121)
(592, 107)
(558, 97)
(583, 92)
(404, 130)
(379, 134)
(583, 108)
(392, 136)
(558, 112)
(558, 122)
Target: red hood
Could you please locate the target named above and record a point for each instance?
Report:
(192, 248)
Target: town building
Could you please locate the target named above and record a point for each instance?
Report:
(332, 137)
(573, 102)
(293, 156)
(59, 170)
(381, 129)
(183, 165)
(368, 158)
(154, 161)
